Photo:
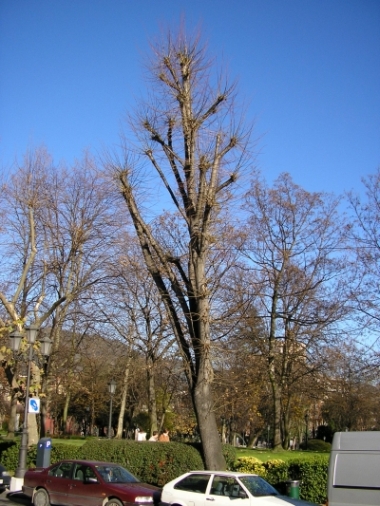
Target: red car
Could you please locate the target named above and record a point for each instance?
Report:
(87, 483)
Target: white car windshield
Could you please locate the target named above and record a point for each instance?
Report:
(258, 486)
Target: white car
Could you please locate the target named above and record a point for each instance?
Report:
(202, 488)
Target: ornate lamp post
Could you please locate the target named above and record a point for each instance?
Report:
(15, 341)
(111, 389)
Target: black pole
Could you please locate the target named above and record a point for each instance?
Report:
(21, 469)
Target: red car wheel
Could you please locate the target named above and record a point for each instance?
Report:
(41, 498)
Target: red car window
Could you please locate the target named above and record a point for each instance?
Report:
(61, 471)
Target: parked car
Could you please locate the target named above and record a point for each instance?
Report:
(5, 478)
(198, 488)
(87, 483)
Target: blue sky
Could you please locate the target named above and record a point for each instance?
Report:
(309, 69)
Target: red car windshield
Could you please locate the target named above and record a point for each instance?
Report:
(116, 474)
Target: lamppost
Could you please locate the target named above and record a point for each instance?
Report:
(111, 389)
(15, 341)
(307, 429)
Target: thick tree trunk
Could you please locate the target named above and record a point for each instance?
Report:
(32, 429)
(12, 417)
(276, 396)
(152, 404)
(204, 407)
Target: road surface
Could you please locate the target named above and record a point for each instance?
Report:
(8, 498)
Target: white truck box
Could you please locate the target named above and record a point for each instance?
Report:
(354, 469)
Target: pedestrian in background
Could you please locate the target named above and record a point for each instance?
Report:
(154, 436)
(164, 436)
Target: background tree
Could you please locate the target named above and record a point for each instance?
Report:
(364, 232)
(58, 226)
(293, 240)
(352, 394)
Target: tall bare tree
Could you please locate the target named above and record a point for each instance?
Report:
(191, 138)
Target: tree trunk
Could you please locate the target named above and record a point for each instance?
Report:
(152, 403)
(32, 429)
(12, 416)
(276, 396)
(208, 429)
(65, 411)
(123, 403)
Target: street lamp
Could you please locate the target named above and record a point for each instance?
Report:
(15, 341)
(307, 429)
(111, 389)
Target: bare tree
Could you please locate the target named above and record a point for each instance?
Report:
(364, 232)
(58, 225)
(189, 137)
(297, 287)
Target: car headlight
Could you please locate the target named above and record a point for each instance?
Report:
(143, 498)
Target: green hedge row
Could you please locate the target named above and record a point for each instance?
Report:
(151, 462)
(155, 463)
(311, 473)
(9, 454)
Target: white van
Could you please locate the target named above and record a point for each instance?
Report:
(354, 469)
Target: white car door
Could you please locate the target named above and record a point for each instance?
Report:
(222, 490)
(189, 492)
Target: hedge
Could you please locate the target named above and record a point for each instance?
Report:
(9, 454)
(155, 463)
(311, 473)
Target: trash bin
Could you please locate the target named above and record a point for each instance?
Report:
(293, 489)
(43, 452)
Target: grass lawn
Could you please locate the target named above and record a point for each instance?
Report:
(265, 455)
(68, 441)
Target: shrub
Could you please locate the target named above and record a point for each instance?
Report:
(316, 445)
(276, 471)
(249, 465)
(4, 445)
(10, 456)
(312, 474)
(230, 454)
(155, 463)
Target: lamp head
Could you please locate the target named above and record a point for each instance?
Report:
(15, 338)
(112, 386)
(31, 333)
